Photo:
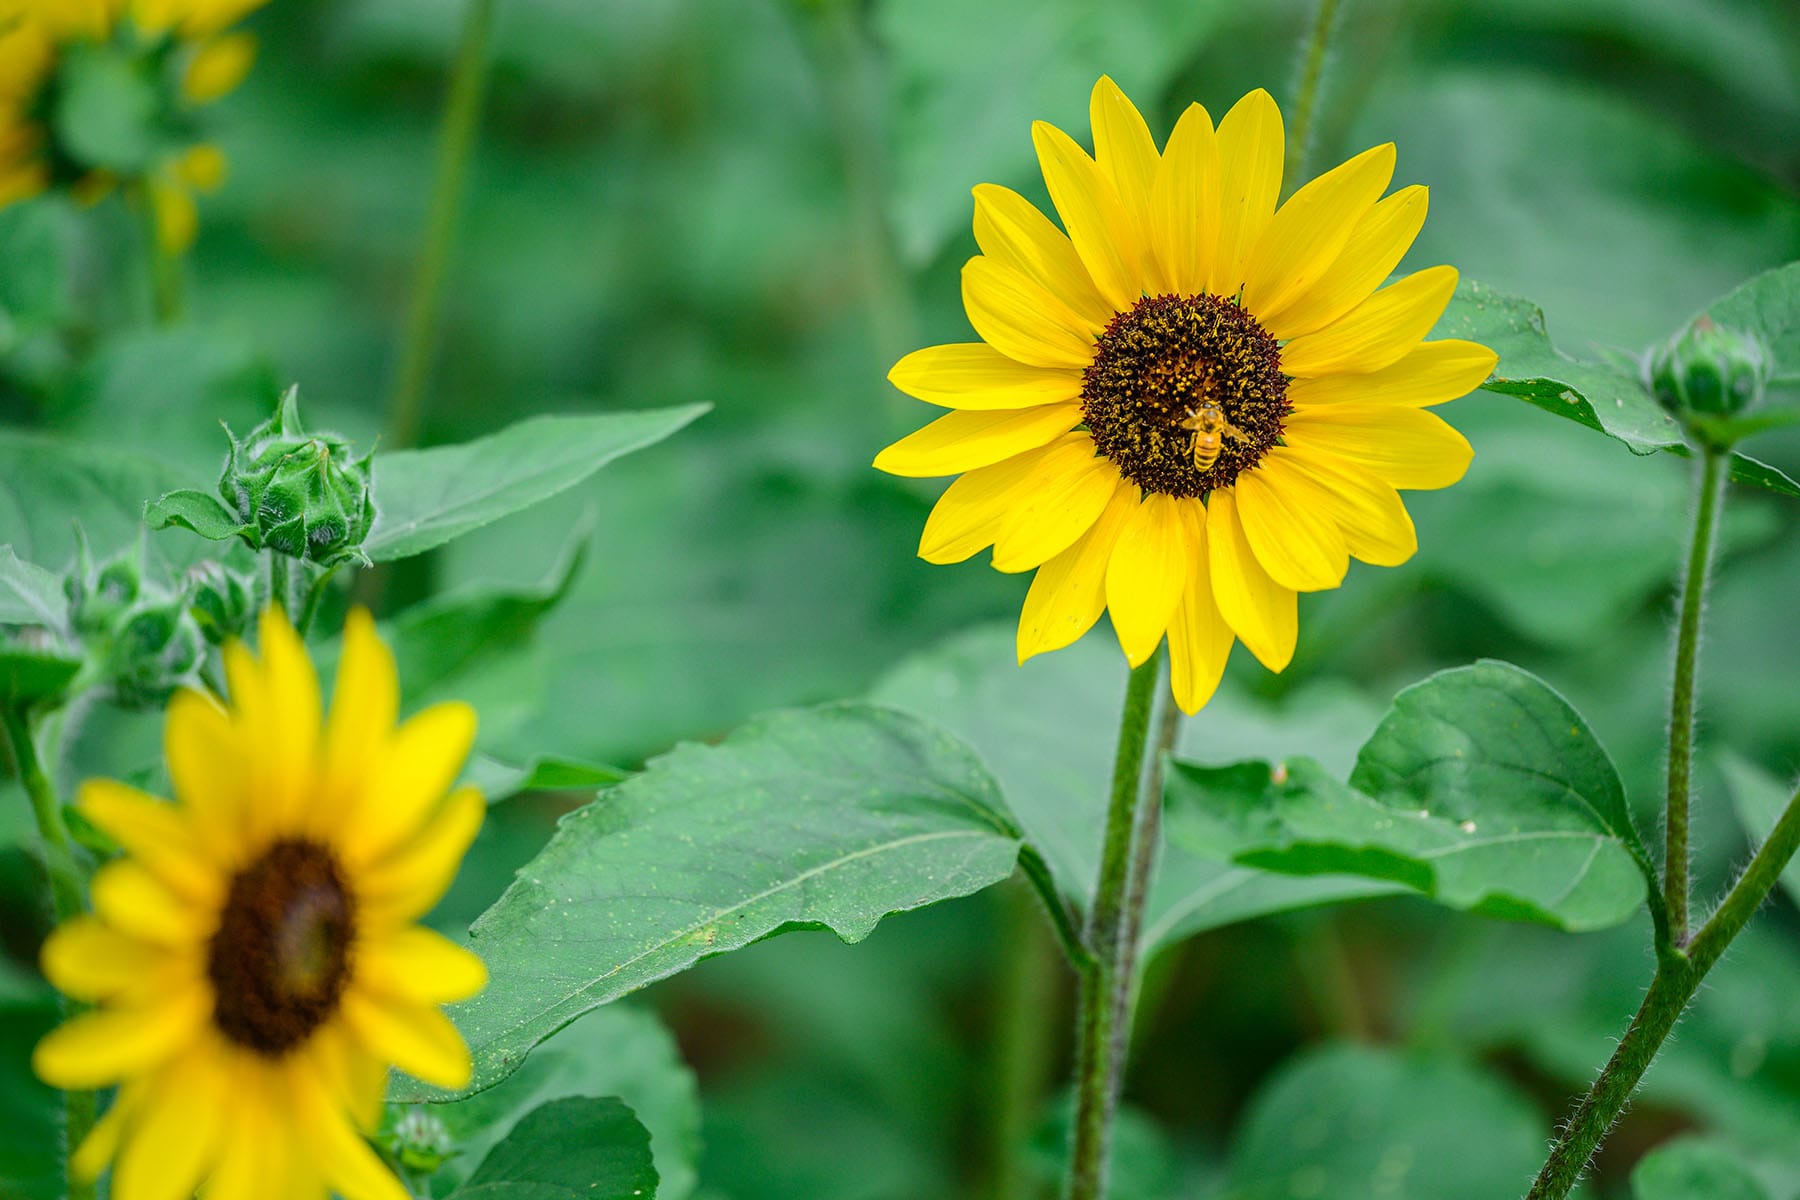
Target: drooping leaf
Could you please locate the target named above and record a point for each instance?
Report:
(424, 498)
(1696, 1168)
(196, 511)
(571, 1149)
(1759, 798)
(621, 1050)
(1049, 729)
(30, 595)
(833, 817)
(1355, 1123)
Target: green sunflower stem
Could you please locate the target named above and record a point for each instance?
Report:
(456, 142)
(1306, 91)
(1109, 978)
(79, 1107)
(1678, 976)
(1683, 697)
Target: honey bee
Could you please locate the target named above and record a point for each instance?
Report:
(1210, 429)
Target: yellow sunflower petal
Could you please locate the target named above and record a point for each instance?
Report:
(1065, 495)
(1125, 153)
(1431, 373)
(103, 1047)
(178, 1131)
(1376, 246)
(101, 1145)
(1011, 230)
(90, 960)
(1199, 639)
(154, 833)
(968, 516)
(1373, 519)
(131, 899)
(974, 375)
(1020, 319)
(421, 763)
(354, 1078)
(1404, 447)
(1091, 211)
(1149, 567)
(257, 1155)
(203, 18)
(1250, 153)
(962, 441)
(1297, 545)
(1376, 333)
(1262, 613)
(1068, 593)
(218, 67)
(410, 879)
(421, 966)
(290, 739)
(1309, 232)
(342, 1159)
(365, 702)
(417, 1038)
(200, 749)
(1184, 204)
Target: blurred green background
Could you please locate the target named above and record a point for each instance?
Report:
(761, 205)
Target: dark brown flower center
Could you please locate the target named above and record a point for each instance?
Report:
(282, 952)
(1185, 393)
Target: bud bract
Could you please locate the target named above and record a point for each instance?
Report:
(301, 494)
(222, 601)
(140, 639)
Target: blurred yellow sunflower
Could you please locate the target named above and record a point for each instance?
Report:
(1193, 404)
(254, 955)
(205, 59)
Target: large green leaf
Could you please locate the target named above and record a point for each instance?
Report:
(425, 498)
(1355, 1123)
(621, 1050)
(833, 817)
(30, 595)
(572, 1149)
(1482, 789)
(1602, 397)
(1759, 798)
(1698, 1168)
(1048, 729)
(49, 486)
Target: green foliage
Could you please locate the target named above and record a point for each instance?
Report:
(832, 817)
(1693, 1168)
(1759, 798)
(573, 1149)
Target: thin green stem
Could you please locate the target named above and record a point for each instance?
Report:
(1678, 976)
(79, 1107)
(456, 141)
(280, 584)
(315, 595)
(1103, 1023)
(1063, 918)
(1306, 92)
(1682, 702)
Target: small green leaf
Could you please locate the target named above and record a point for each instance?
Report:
(829, 817)
(1355, 1123)
(1696, 1168)
(28, 676)
(425, 498)
(1768, 306)
(546, 773)
(30, 595)
(572, 1149)
(1759, 798)
(198, 512)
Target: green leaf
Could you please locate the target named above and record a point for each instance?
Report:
(30, 595)
(198, 512)
(28, 676)
(545, 773)
(620, 1050)
(31, 1118)
(425, 498)
(1048, 730)
(1759, 798)
(1603, 398)
(1696, 1168)
(572, 1149)
(833, 817)
(49, 486)
(1768, 306)
(1356, 1123)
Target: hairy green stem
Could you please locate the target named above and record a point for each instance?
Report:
(1103, 1023)
(1682, 702)
(1306, 92)
(1678, 976)
(456, 141)
(1063, 919)
(79, 1107)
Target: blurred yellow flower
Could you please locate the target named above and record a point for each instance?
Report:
(1192, 404)
(254, 955)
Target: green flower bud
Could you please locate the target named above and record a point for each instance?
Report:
(139, 639)
(301, 494)
(421, 1142)
(222, 602)
(1707, 370)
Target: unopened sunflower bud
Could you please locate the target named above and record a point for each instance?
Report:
(301, 494)
(223, 602)
(1708, 370)
(422, 1142)
(139, 639)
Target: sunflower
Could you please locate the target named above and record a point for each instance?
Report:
(189, 44)
(253, 955)
(1192, 404)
